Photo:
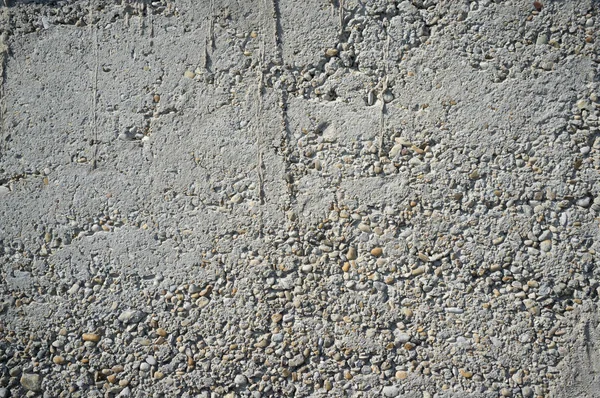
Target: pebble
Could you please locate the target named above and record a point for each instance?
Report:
(158, 375)
(131, 316)
(584, 202)
(505, 392)
(161, 332)
(237, 198)
(388, 96)
(546, 245)
(466, 374)
(454, 310)
(377, 251)
(276, 318)
(93, 337)
(240, 380)
(31, 382)
(401, 375)
(390, 391)
(58, 360)
(403, 338)
(351, 254)
(189, 74)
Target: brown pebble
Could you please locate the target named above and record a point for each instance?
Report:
(377, 251)
(253, 34)
(158, 375)
(161, 332)
(91, 337)
(276, 318)
(112, 379)
(346, 267)
(401, 375)
(156, 98)
(58, 360)
(331, 52)
(466, 374)
(538, 6)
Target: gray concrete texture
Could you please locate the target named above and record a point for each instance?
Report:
(345, 198)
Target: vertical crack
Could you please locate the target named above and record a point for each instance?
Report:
(3, 55)
(94, 93)
(283, 103)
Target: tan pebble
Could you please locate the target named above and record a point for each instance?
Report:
(346, 267)
(189, 74)
(276, 318)
(533, 283)
(253, 34)
(112, 379)
(206, 291)
(156, 98)
(91, 337)
(495, 267)
(409, 346)
(466, 374)
(498, 240)
(202, 302)
(331, 52)
(158, 375)
(247, 53)
(417, 149)
(377, 251)
(407, 312)
(351, 254)
(58, 360)
(117, 368)
(123, 383)
(347, 375)
(417, 271)
(328, 386)
(401, 375)
(423, 257)
(161, 332)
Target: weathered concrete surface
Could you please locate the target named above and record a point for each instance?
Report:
(386, 198)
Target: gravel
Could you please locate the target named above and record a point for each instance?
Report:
(247, 199)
